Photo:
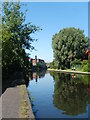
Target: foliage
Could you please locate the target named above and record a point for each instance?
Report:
(38, 66)
(16, 37)
(86, 66)
(53, 65)
(68, 45)
(84, 62)
(30, 64)
(0, 38)
(76, 62)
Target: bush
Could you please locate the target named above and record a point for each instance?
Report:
(76, 62)
(84, 63)
(30, 65)
(86, 66)
(38, 66)
(54, 65)
(62, 67)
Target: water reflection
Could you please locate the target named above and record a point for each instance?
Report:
(59, 95)
(36, 75)
(70, 93)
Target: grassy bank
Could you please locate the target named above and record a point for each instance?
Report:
(23, 110)
(81, 66)
(70, 71)
(25, 107)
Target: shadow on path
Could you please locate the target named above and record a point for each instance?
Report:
(16, 79)
(11, 96)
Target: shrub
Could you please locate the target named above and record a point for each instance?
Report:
(30, 65)
(86, 66)
(54, 65)
(62, 67)
(76, 62)
(84, 63)
(38, 66)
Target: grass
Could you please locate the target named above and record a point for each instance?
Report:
(76, 69)
(28, 94)
(31, 98)
(23, 110)
(79, 69)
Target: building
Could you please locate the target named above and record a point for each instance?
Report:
(87, 54)
(35, 61)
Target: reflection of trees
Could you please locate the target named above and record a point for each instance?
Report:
(69, 94)
(86, 81)
(41, 73)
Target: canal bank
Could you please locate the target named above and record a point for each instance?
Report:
(68, 71)
(25, 106)
(15, 101)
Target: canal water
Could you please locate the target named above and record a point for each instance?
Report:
(59, 95)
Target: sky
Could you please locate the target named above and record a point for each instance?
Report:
(52, 17)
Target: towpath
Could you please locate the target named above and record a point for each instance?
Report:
(13, 99)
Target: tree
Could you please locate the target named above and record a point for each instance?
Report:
(68, 40)
(0, 38)
(16, 37)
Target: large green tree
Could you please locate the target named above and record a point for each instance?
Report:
(0, 37)
(16, 37)
(68, 43)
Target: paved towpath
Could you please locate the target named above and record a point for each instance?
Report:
(11, 100)
(69, 71)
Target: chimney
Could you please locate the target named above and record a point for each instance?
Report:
(35, 59)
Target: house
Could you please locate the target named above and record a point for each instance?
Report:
(35, 61)
(87, 53)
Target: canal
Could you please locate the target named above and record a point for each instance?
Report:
(59, 95)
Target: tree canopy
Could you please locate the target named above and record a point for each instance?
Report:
(68, 44)
(16, 37)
